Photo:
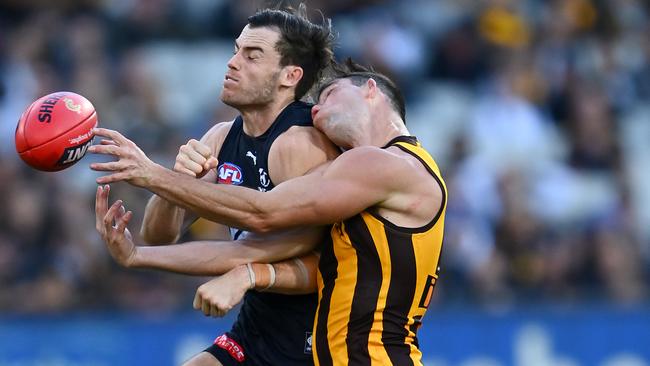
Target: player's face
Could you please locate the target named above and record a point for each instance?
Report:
(254, 69)
(340, 112)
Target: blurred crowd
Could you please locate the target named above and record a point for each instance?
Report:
(537, 112)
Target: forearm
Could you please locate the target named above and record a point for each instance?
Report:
(201, 258)
(162, 221)
(293, 276)
(211, 202)
(201, 197)
(208, 258)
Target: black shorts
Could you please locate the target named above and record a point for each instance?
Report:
(228, 350)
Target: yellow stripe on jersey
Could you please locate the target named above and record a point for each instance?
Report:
(379, 356)
(339, 318)
(375, 283)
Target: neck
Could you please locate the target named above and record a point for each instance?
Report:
(257, 119)
(383, 128)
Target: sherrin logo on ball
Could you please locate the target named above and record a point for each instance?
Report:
(55, 131)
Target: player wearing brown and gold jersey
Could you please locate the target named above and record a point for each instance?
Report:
(375, 283)
(387, 200)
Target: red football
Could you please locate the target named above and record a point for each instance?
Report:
(55, 131)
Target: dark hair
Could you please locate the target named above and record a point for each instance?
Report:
(359, 74)
(302, 43)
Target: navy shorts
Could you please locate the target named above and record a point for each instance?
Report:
(229, 351)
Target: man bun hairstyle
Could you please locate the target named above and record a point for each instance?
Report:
(359, 74)
(302, 42)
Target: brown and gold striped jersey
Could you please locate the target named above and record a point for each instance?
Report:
(375, 282)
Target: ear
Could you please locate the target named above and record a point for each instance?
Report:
(290, 75)
(372, 90)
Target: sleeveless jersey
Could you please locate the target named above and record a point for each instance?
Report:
(375, 282)
(273, 328)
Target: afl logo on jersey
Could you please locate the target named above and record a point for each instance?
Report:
(229, 173)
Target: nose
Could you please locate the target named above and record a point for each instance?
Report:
(232, 63)
(314, 111)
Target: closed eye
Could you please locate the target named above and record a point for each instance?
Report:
(254, 55)
(325, 94)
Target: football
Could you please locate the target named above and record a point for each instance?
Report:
(55, 131)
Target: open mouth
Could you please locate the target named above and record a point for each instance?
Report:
(230, 78)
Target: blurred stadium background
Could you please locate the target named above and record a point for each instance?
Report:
(537, 111)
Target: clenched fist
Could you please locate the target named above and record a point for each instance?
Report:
(217, 297)
(195, 158)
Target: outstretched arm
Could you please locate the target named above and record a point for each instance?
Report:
(196, 258)
(356, 180)
(208, 258)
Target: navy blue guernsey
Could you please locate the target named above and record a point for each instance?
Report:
(273, 329)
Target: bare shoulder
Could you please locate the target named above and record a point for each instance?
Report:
(388, 167)
(411, 195)
(301, 138)
(297, 151)
(216, 135)
(368, 158)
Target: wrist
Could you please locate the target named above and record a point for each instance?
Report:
(264, 276)
(135, 258)
(155, 173)
(249, 275)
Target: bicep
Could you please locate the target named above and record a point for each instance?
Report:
(329, 195)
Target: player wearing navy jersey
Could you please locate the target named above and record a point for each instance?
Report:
(377, 274)
(277, 58)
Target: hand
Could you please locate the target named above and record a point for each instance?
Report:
(218, 296)
(132, 164)
(195, 159)
(117, 237)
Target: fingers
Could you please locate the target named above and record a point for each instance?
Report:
(110, 166)
(107, 142)
(192, 154)
(207, 305)
(196, 304)
(107, 149)
(120, 213)
(195, 158)
(201, 302)
(116, 213)
(183, 165)
(110, 215)
(179, 168)
(101, 201)
(200, 148)
(216, 312)
(123, 221)
(211, 163)
(117, 177)
(117, 137)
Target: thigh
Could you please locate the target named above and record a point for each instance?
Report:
(203, 359)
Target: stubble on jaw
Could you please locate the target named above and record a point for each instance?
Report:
(258, 96)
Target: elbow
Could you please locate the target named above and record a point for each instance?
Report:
(261, 216)
(262, 224)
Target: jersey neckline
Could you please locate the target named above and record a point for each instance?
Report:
(284, 111)
(402, 138)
